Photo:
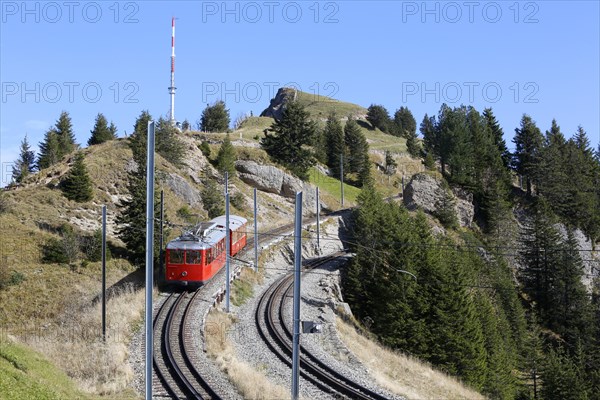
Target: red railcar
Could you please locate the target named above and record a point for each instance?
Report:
(195, 257)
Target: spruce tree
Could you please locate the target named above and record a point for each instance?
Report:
(528, 140)
(212, 197)
(168, 143)
(334, 143)
(132, 219)
(77, 185)
(412, 145)
(288, 138)
(357, 150)
(25, 164)
(50, 151)
(226, 157)
(215, 118)
(64, 130)
(405, 123)
(390, 164)
(498, 135)
(102, 132)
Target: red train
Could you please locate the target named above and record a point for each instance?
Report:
(195, 257)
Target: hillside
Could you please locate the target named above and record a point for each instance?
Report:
(38, 305)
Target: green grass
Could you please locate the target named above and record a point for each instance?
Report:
(321, 106)
(27, 375)
(330, 190)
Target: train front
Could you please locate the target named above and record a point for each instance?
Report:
(184, 262)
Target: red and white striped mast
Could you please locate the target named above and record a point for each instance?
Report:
(172, 88)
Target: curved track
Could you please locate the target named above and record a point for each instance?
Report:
(278, 337)
(172, 360)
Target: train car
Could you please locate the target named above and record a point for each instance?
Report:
(195, 257)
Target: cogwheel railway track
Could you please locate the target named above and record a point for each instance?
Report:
(173, 363)
(278, 337)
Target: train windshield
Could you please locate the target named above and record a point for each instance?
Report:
(176, 256)
(193, 257)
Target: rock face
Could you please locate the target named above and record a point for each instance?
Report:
(268, 178)
(465, 211)
(184, 190)
(425, 192)
(277, 104)
(588, 256)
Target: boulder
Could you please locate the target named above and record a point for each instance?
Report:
(268, 178)
(183, 189)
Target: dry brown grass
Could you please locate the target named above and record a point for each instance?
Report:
(401, 374)
(74, 343)
(249, 381)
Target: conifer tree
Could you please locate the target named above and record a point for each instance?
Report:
(78, 186)
(405, 124)
(66, 136)
(25, 164)
(212, 197)
(168, 143)
(215, 118)
(50, 152)
(226, 157)
(528, 140)
(378, 117)
(102, 132)
(357, 150)
(498, 135)
(132, 219)
(390, 164)
(288, 138)
(334, 142)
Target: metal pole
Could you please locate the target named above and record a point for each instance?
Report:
(149, 257)
(297, 266)
(342, 176)
(318, 221)
(104, 273)
(227, 250)
(255, 232)
(162, 217)
(226, 182)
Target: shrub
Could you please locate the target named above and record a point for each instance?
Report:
(238, 200)
(64, 250)
(205, 148)
(185, 213)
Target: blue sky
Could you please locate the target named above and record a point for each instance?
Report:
(540, 58)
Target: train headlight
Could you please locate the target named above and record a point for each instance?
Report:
(184, 273)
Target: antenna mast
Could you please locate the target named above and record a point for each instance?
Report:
(172, 88)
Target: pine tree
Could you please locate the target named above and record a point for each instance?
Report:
(334, 142)
(215, 118)
(562, 378)
(528, 140)
(25, 164)
(378, 117)
(50, 152)
(288, 138)
(102, 132)
(226, 157)
(412, 145)
(357, 150)
(78, 185)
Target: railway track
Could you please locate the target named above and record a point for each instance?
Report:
(277, 335)
(173, 357)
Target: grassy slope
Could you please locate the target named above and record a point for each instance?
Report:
(27, 375)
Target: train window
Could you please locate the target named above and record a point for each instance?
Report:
(176, 256)
(193, 257)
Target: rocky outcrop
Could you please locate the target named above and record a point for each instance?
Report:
(182, 189)
(426, 192)
(587, 254)
(268, 178)
(275, 109)
(465, 211)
